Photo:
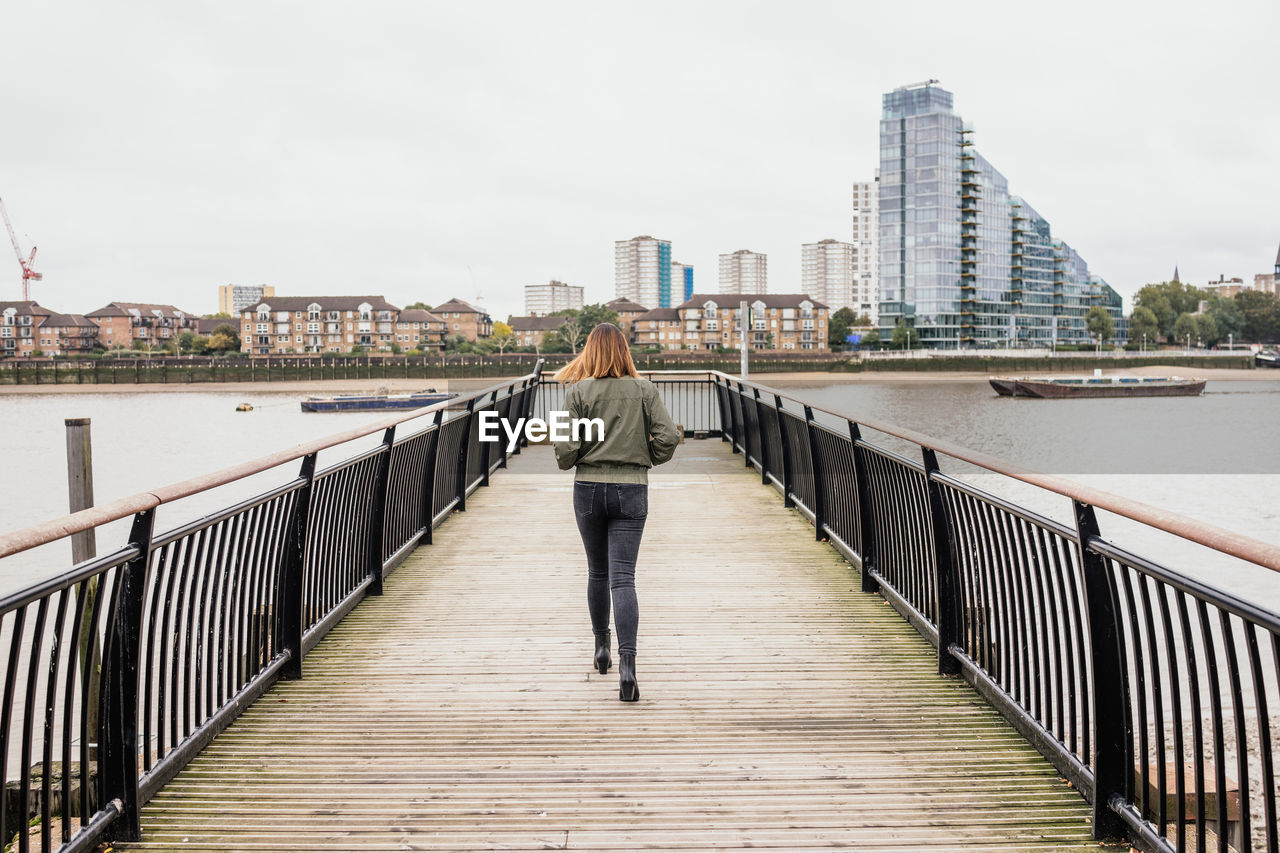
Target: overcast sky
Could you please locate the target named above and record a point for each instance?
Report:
(155, 150)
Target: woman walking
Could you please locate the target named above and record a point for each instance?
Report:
(610, 490)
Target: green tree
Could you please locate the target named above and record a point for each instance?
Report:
(1185, 329)
(1144, 327)
(904, 336)
(1260, 315)
(555, 342)
(1226, 316)
(579, 323)
(502, 337)
(396, 349)
(1168, 300)
(228, 331)
(220, 342)
(1207, 329)
(1155, 302)
(839, 325)
(421, 306)
(1100, 324)
(871, 340)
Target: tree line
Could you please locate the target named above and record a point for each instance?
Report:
(1174, 312)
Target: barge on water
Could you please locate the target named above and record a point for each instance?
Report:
(374, 402)
(1098, 386)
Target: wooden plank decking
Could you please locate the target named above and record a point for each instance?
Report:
(780, 707)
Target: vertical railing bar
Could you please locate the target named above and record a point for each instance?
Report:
(290, 594)
(69, 701)
(484, 451)
(1264, 735)
(377, 513)
(1110, 700)
(865, 536)
(945, 594)
(28, 717)
(1237, 701)
(427, 494)
(1139, 688)
(818, 471)
(118, 769)
(1197, 733)
(1215, 708)
(464, 449)
(762, 442)
(784, 450)
(6, 712)
(1175, 689)
(50, 713)
(1157, 699)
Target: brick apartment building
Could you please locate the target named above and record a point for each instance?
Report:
(419, 329)
(310, 324)
(121, 324)
(464, 319)
(779, 321)
(68, 334)
(627, 312)
(19, 325)
(533, 331)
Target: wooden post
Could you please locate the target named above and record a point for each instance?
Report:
(80, 484)
(84, 546)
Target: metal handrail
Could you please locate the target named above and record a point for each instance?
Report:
(1256, 551)
(124, 667)
(1089, 650)
(45, 532)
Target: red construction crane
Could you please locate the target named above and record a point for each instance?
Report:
(28, 274)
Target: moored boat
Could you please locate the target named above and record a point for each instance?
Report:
(1004, 387)
(373, 402)
(1266, 359)
(1098, 386)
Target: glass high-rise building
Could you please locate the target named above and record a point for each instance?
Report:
(961, 260)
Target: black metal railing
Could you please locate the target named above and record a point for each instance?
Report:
(1153, 693)
(688, 395)
(118, 672)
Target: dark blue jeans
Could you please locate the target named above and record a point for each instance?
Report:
(611, 520)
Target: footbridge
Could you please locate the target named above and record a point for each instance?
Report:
(851, 636)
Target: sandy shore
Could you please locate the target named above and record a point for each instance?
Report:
(1212, 373)
(327, 386)
(356, 386)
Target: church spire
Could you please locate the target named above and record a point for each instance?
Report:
(1277, 263)
(1175, 270)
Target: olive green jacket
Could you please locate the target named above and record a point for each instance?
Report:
(638, 432)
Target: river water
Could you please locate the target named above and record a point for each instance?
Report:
(1214, 458)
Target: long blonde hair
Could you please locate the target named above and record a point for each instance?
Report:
(606, 353)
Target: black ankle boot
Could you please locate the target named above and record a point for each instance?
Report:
(628, 690)
(602, 652)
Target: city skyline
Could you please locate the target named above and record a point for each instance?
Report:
(240, 156)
